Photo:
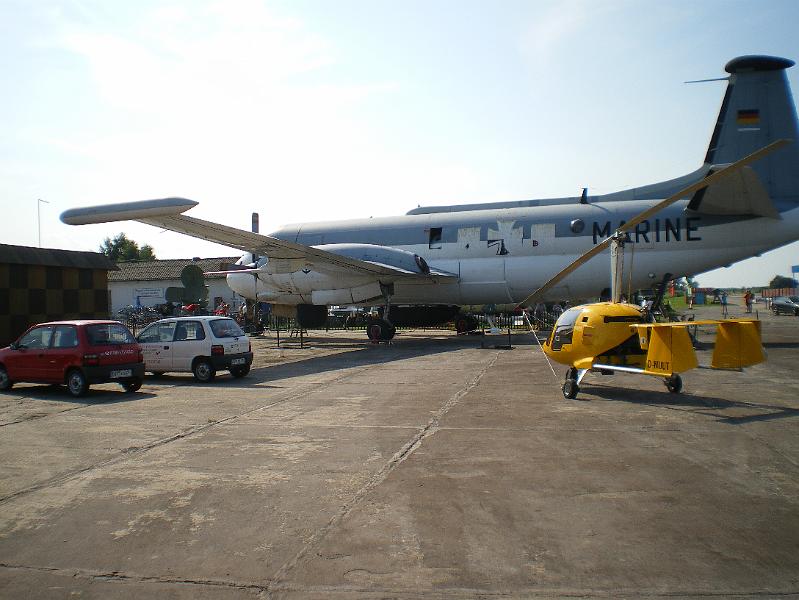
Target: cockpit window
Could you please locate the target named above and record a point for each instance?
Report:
(564, 328)
(569, 318)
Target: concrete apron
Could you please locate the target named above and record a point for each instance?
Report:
(428, 467)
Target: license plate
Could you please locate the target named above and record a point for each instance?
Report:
(121, 373)
(238, 361)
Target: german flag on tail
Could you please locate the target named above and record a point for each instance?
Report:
(748, 116)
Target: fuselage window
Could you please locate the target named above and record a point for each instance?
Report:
(435, 238)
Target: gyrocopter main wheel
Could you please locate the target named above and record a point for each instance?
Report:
(570, 389)
(674, 384)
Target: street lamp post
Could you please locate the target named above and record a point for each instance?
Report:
(39, 218)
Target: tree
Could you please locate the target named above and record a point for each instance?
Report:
(780, 281)
(122, 249)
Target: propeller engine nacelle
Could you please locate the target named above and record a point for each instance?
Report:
(381, 255)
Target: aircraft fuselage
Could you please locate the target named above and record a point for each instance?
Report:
(502, 255)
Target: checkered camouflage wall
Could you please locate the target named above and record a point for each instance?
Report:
(31, 294)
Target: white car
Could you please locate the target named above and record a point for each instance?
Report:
(199, 345)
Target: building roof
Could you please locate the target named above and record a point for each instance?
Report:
(26, 255)
(160, 270)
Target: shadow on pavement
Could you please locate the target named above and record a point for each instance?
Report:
(706, 405)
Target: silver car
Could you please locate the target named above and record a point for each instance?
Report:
(785, 305)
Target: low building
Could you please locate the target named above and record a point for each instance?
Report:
(43, 284)
(144, 283)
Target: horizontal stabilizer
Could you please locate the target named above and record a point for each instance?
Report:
(670, 350)
(741, 193)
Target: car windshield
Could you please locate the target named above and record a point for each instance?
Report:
(795, 299)
(109, 334)
(223, 328)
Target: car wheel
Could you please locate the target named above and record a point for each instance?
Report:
(240, 371)
(76, 383)
(132, 385)
(204, 371)
(5, 382)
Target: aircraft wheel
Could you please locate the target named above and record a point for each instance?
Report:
(570, 389)
(464, 324)
(674, 384)
(380, 330)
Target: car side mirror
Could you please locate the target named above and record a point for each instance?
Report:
(14, 346)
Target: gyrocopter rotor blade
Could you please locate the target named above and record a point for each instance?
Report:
(629, 225)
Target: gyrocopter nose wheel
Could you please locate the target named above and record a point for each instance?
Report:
(674, 384)
(570, 387)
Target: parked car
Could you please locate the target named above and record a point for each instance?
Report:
(201, 345)
(75, 353)
(786, 305)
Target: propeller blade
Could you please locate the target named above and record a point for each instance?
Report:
(709, 180)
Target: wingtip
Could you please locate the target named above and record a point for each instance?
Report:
(126, 211)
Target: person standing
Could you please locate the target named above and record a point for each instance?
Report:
(724, 312)
(748, 297)
(689, 297)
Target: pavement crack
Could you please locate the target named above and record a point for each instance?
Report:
(135, 451)
(37, 416)
(89, 575)
(408, 448)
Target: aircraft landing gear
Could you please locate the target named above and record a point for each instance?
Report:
(465, 323)
(380, 330)
(570, 386)
(673, 383)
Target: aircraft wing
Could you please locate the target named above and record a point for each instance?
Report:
(284, 256)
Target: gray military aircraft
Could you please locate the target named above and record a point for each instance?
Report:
(432, 260)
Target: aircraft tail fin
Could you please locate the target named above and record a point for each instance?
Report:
(757, 109)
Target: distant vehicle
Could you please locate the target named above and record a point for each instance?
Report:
(75, 353)
(785, 305)
(200, 345)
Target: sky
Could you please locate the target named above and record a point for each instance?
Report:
(307, 110)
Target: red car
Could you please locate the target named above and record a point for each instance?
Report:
(75, 353)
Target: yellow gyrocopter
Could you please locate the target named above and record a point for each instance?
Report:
(608, 337)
